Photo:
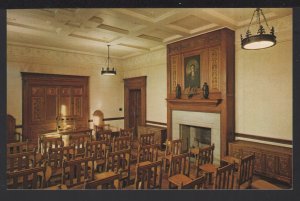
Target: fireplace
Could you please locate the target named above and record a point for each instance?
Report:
(194, 136)
(189, 125)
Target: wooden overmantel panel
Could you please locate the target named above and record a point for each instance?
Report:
(213, 53)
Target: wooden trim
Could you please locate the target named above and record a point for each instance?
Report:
(113, 118)
(19, 126)
(155, 122)
(268, 139)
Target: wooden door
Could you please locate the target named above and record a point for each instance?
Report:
(134, 109)
(135, 102)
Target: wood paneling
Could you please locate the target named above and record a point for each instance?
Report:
(46, 96)
(216, 50)
(270, 160)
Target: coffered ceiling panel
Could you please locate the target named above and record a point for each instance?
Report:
(191, 22)
(128, 31)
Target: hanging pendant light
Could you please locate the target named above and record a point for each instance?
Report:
(107, 70)
(261, 40)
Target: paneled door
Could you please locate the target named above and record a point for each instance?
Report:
(134, 109)
(135, 102)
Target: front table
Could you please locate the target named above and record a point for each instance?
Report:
(65, 136)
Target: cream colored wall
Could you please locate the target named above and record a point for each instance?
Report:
(154, 66)
(106, 92)
(264, 85)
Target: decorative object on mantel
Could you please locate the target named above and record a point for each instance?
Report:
(261, 40)
(205, 90)
(107, 71)
(178, 91)
(191, 92)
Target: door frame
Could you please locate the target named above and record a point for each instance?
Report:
(134, 83)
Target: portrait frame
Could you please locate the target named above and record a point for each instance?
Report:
(192, 80)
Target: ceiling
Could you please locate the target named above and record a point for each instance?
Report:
(130, 32)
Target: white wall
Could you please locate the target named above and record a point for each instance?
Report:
(106, 92)
(154, 66)
(264, 85)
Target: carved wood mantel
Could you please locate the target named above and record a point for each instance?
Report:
(215, 51)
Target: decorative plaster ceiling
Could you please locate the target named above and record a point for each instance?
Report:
(129, 31)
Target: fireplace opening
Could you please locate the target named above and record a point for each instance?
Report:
(194, 136)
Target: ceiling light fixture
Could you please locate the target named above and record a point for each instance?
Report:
(261, 40)
(107, 71)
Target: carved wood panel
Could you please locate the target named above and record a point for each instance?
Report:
(46, 96)
(214, 68)
(175, 63)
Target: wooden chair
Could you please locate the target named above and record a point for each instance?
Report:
(98, 150)
(149, 176)
(148, 153)
(224, 178)
(245, 176)
(21, 161)
(31, 178)
(120, 143)
(198, 183)
(78, 171)
(119, 161)
(17, 147)
(205, 162)
(79, 141)
(146, 139)
(12, 135)
(105, 180)
(173, 147)
(245, 172)
(179, 170)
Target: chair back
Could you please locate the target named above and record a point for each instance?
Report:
(197, 183)
(146, 139)
(147, 153)
(224, 178)
(96, 149)
(119, 162)
(149, 176)
(120, 143)
(173, 147)
(206, 155)
(109, 182)
(79, 141)
(104, 135)
(20, 161)
(180, 164)
(17, 147)
(126, 132)
(53, 142)
(55, 157)
(245, 171)
(32, 178)
(78, 171)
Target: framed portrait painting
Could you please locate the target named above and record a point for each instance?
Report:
(192, 72)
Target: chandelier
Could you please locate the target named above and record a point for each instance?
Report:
(107, 70)
(261, 40)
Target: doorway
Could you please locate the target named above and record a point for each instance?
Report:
(135, 103)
